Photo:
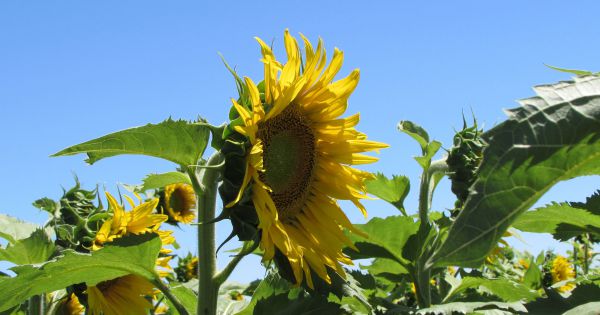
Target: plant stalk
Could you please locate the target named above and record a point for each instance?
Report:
(36, 305)
(423, 271)
(205, 182)
(169, 295)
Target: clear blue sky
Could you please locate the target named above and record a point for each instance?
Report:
(71, 71)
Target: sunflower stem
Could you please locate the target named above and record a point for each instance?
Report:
(169, 295)
(222, 276)
(205, 182)
(36, 305)
(423, 270)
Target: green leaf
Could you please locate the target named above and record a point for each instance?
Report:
(392, 190)
(155, 181)
(505, 289)
(128, 255)
(46, 204)
(472, 307)
(428, 154)
(386, 238)
(560, 219)
(533, 276)
(281, 304)
(554, 303)
(13, 229)
(186, 296)
(226, 305)
(573, 71)
(271, 285)
(386, 268)
(551, 138)
(590, 308)
(416, 132)
(37, 248)
(178, 141)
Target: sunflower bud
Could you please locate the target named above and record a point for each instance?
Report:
(463, 161)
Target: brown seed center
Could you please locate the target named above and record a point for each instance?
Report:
(289, 160)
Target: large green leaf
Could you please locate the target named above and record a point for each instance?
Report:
(554, 303)
(186, 296)
(590, 308)
(13, 229)
(560, 219)
(281, 304)
(271, 285)
(505, 289)
(392, 190)
(178, 141)
(473, 307)
(154, 181)
(129, 255)
(553, 137)
(386, 238)
(37, 248)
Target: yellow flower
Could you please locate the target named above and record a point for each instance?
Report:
(191, 267)
(179, 203)
(137, 221)
(562, 270)
(523, 263)
(70, 306)
(129, 292)
(114, 297)
(298, 163)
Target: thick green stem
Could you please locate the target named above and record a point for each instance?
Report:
(169, 295)
(205, 182)
(423, 271)
(36, 305)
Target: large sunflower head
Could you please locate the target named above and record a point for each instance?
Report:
(123, 294)
(299, 156)
(179, 202)
(562, 270)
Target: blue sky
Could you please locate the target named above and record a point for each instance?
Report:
(71, 71)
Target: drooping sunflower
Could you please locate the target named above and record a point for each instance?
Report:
(128, 293)
(298, 164)
(179, 203)
(137, 221)
(562, 270)
(121, 295)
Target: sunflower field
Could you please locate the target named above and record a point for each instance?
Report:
(284, 172)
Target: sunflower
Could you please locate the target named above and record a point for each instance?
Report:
(70, 306)
(562, 270)
(298, 164)
(179, 203)
(114, 296)
(128, 292)
(137, 221)
(191, 268)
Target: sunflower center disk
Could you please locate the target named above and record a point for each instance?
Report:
(289, 160)
(178, 201)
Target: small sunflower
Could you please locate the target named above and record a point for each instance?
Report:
(129, 292)
(298, 164)
(191, 267)
(137, 221)
(114, 296)
(179, 203)
(562, 270)
(70, 306)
